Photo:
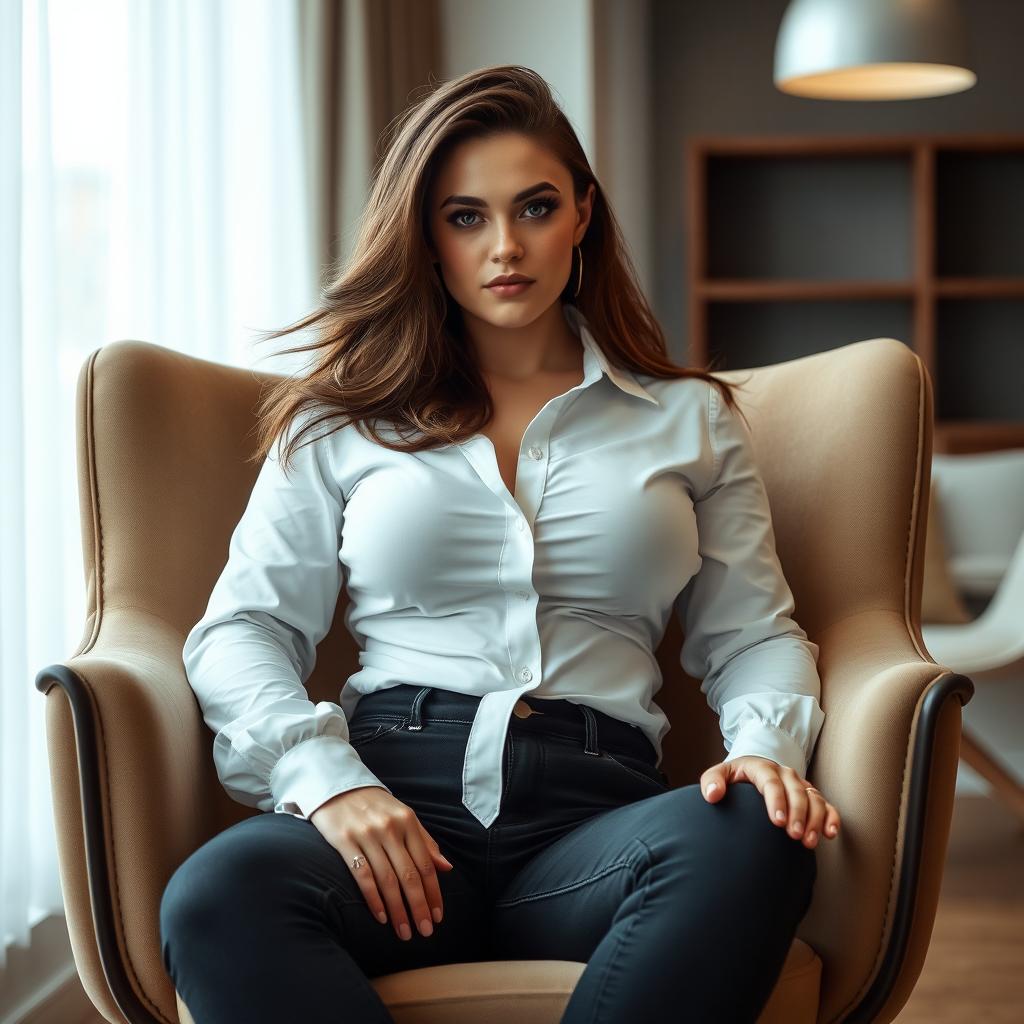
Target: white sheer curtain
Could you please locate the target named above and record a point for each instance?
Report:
(154, 184)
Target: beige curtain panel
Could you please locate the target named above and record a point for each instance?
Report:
(363, 62)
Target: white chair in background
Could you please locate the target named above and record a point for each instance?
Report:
(981, 502)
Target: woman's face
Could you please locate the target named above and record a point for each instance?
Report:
(505, 205)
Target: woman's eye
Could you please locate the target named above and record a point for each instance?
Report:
(546, 204)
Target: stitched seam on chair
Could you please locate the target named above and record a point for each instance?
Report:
(915, 504)
(907, 552)
(99, 536)
(126, 956)
(872, 974)
(906, 621)
(100, 565)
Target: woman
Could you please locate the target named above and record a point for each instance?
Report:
(522, 489)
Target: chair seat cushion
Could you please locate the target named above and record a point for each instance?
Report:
(537, 991)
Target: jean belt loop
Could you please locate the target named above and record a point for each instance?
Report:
(414, 717)
(590, 745)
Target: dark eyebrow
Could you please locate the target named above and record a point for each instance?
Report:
(541, 186)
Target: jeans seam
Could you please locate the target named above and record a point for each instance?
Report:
(632, 771)
(579, 883)
(382, 731)
(602, 988)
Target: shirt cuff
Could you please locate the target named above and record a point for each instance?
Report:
(758, 739)
(308, 774)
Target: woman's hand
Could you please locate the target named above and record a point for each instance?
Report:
(789, 804)
(398, 854)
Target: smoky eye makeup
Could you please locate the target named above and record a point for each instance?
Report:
(550, 204)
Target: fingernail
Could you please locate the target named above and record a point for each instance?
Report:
(405, 931)
(780, 815)
(711, 788)
(436, 911)
(382, 917)
(811, 836)
(832, 829)
(426, 928)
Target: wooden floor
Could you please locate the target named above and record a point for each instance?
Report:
(974, 970)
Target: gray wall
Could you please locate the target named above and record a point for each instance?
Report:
(554, 39)
(711, 73)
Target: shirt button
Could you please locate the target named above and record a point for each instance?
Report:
(525, 675)
(536, 453)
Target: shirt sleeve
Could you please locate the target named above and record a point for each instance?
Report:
(757, 666)
(249, 656)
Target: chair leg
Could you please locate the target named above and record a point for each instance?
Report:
(1006, 787)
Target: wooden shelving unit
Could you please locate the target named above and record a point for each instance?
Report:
(797, 245)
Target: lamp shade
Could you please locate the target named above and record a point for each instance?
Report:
(872, 49)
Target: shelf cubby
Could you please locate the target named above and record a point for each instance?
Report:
(801, 244)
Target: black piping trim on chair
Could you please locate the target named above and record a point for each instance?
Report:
(100, 890)
(948, 686)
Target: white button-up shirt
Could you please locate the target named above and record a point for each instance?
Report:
(636, 498)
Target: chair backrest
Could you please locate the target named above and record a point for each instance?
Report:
(838, 437)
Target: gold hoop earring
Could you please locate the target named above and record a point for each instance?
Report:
(579, 277)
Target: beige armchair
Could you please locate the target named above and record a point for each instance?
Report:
(844, 440)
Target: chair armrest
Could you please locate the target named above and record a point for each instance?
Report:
(132, 778)
(887, 759)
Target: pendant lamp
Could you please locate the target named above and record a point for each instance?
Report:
(872, 49)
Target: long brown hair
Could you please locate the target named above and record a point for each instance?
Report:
(390, 341)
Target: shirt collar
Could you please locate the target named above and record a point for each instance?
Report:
(595, 362)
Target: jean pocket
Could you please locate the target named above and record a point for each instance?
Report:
(638, 768)
(367, 732)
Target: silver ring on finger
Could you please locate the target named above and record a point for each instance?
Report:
(811, 789)
(358, 861)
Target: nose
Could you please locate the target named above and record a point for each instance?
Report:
(507, 247)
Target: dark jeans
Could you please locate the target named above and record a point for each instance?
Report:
(675, 905)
